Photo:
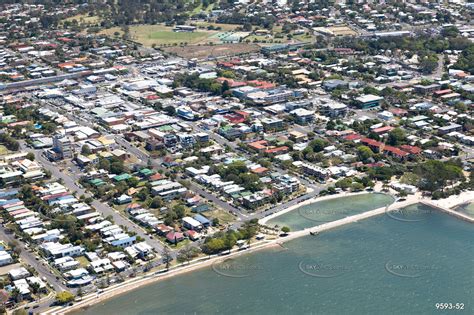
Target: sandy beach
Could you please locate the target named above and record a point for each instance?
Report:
(202, 262)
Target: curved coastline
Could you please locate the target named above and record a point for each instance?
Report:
(147, 279)
(319, 199)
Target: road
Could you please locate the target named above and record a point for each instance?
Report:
(31, 259)
(70, 180)
(145, 158)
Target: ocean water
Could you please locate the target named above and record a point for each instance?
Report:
(467, 209)
(381, 265)
(330, 210)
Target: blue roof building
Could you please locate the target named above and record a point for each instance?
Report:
(203, 220)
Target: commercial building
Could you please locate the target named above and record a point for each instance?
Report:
(368, 101)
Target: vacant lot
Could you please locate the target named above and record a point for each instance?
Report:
(212, 51)
(84, 19)
(161, 35)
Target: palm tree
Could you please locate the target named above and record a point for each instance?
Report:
(16, 295)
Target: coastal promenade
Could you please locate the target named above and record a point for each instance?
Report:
(352, 219)
(445, 205)
(449, 211)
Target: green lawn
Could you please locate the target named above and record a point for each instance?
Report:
(3, 150)
(200, 9)
(161, 35)
(83, 261)
(223, 216)
(84, 19)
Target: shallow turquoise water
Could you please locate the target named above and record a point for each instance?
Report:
(330, 210)
(380, 265)
(467, 209)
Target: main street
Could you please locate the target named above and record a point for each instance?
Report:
(146, 159)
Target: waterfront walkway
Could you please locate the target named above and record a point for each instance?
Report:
(450, 211)
(446, 205)
(352, 219)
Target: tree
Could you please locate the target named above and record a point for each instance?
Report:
(450, 31)
(143, 194)
(466, 59)
(64, 297)
(117, 167)
(364, 152)
(225, 87)
(16, 295)
(85, 150)
(285, 230)
(157, 202)
(14, 246)
(428, 64)
(104, 164)
(436, 175)
(187, 253)
(247, 27)
(396, 137)
(381, 173)
(170, 110)
(30, 156)
(167, 257)
(79, 291)
(343, 183)
(318, 145)
(35, 287)
(357, 187)
(213, 246)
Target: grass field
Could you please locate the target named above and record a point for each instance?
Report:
(3, 150)
(84, 19)
(161, 35)
(200, 9)
(223, 216)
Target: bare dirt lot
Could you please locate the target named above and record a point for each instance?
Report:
(208, 51)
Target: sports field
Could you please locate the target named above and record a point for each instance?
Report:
(162, 35)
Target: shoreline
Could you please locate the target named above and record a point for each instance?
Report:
(132, 284)
(318, 199)
(156, 276)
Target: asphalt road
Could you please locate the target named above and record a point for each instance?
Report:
(31, 259)
(70, 179)
(144, 157)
